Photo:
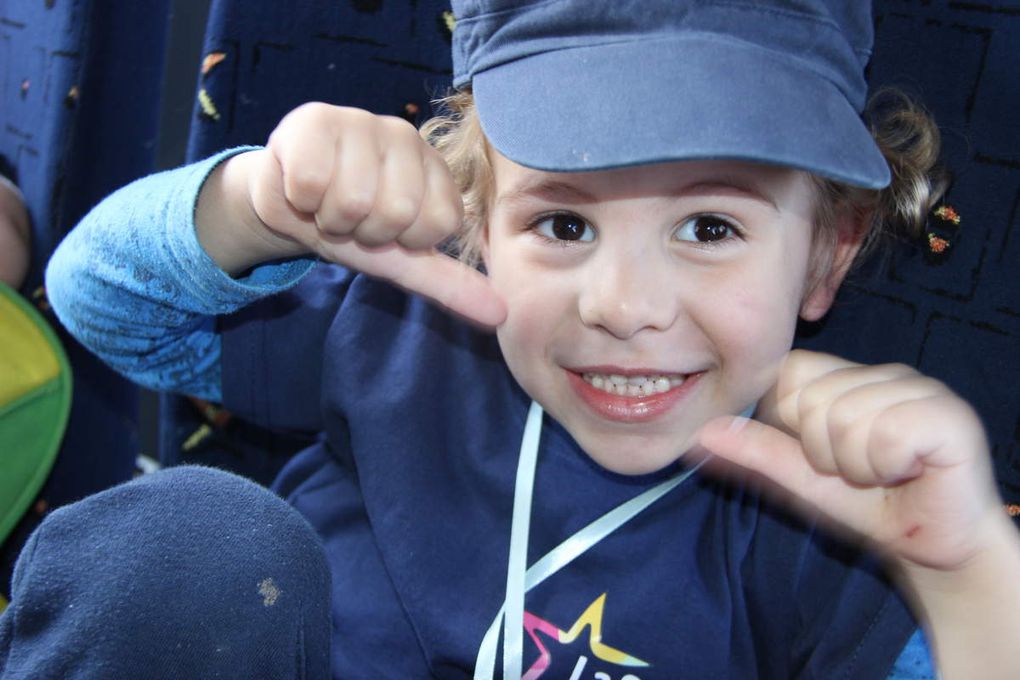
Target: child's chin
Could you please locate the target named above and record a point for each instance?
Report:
(634, 460)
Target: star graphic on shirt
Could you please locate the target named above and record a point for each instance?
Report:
(592, 619)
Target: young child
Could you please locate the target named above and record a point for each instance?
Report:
(657, 191)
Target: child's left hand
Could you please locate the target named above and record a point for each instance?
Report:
(891, 454)
(903, 462)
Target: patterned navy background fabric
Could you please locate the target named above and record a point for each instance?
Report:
(387, 57)
(958, 319)
(79, 84)
(79, 116)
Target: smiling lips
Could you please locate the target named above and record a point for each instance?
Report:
(631, 398)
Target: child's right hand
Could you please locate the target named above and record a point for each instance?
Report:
(355, 188)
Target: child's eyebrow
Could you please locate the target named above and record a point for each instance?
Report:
(546, 189)
(729, 185)
(558, 191)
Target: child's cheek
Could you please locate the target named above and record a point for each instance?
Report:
(753, 331)
(536, 308)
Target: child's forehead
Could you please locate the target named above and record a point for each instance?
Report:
(516, 184)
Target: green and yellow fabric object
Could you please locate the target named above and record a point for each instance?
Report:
(35, 400)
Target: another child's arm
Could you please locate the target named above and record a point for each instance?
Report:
(902, 462)
(14, 235)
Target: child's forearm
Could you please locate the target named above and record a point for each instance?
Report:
(133, 285)
(227, 225)
(972, 614)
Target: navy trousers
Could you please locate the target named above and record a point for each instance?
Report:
(186, 573)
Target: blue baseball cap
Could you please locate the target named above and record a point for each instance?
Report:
(573, 85)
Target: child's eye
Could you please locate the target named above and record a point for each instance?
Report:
(564, 227)
(706, 229)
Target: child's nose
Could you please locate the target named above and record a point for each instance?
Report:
(628, 292)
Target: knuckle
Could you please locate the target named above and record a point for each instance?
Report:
(440, 221)
(797, 360)
(306, 181)
(415, 239)
(855, 469)
(437, 167)
(313, 108)
(886, 432)
(797, 354)
(819, 455)
(398, 213)
(884, 463)
(355, 208)
(794, 371)
(932, 386)
(394, 126)
(897, 370)
(449, 214)
(841, 419)
(329, 225)
(323, 119)
(810, 402)
(372, 237)
(305, 194)
(309, 112)
(421, 236)
(354, 117)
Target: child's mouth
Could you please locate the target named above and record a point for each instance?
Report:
(634, 398)
(634, 385)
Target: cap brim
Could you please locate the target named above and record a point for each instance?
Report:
(690, 97)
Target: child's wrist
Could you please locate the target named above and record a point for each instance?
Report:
(227, 226)
(972, 612)
(995, 555)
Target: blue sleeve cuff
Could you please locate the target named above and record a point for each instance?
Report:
(915, 661)
(132, 283)
(191, 268)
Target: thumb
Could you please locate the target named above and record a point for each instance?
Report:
(457, 287)
(757, 448)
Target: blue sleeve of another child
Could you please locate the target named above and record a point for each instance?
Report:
(915, 661)
(134, 286)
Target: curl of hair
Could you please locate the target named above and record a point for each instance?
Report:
(456, 133)
(909, 140)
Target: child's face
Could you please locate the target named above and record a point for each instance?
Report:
(688, 275)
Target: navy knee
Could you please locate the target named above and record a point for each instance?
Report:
(188, 572)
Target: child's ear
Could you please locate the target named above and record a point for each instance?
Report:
(831, 260)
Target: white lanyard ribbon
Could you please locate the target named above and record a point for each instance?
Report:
(520, 580)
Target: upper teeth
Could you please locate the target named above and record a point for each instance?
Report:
(634, 385)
